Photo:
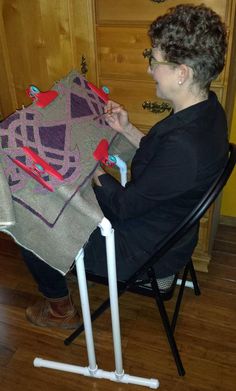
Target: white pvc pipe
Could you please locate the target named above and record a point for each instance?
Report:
(99, 373)
(188, 284)
(82, 284)
(108, 232)
(93, 371)
(123, 170)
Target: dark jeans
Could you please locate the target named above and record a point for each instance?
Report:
(51, 283)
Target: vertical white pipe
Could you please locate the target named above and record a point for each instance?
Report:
(92, 370)
(123, 170)
(108, 232)
(82, 284)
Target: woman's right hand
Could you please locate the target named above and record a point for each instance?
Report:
(117, 117)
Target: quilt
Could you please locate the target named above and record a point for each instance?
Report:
(55, 225)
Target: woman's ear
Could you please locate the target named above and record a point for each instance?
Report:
(183, 73)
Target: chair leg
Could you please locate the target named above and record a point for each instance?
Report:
(166, 322)
(95, 315)
(188, 268)
(179, 298)
(194, 279)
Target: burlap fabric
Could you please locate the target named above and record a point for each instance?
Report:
(7, 215)
(65, 133)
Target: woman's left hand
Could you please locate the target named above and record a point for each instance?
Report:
(99, 171)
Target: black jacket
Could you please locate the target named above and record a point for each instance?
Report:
(173, 166)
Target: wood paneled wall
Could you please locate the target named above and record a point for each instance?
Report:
(40, 42)
(228, 207)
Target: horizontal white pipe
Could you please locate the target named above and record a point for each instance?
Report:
(99, 373)
(188, 284)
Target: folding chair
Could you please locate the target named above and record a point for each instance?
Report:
(133, 283)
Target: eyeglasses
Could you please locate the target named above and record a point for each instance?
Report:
(153, 62)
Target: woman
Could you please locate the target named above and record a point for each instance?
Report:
(173, 165)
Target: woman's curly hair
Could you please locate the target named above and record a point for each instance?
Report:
(192, 35)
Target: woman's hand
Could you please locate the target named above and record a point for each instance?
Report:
(117, 117)
(118, 120)
(99, 171)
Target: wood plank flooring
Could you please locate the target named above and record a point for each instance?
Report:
(205, 333)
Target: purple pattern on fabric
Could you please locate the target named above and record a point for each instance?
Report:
(30, 133)
(19, 143)
(53, 137)
(54, 155)
(69, 172)
(57, 166)
(11, 182)
(86, 85)
(51, 140)
(77, 81)
(95, 107)
(4, 124)
(29, 116)
(79, 107)
(22, 159)
(4, 141)
(42, 140)
(90, 95)
(18, 130)
(37, 214)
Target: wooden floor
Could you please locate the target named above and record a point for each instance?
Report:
(206, 333)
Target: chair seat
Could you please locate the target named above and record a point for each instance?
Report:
(144, 287)
(149, 287)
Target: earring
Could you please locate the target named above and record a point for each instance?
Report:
(179, 82)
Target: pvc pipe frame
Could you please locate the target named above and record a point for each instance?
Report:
(123, 169)
(188, 284)
(92, 370)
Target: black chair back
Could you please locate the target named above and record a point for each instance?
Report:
(132, 284)
(190, 220)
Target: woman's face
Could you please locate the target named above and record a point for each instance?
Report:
(165, 76)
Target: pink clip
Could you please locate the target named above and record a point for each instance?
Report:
(101, 153)
(41, 99)
(99, 91)
(38, 168)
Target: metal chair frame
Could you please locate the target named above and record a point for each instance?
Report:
(131, 284)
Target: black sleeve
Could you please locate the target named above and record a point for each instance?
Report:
(170, 172)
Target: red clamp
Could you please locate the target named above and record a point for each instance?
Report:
(101, 153)
(41, 99)
(101, 92)
(39, 167)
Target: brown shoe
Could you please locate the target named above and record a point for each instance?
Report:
(60, 313)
